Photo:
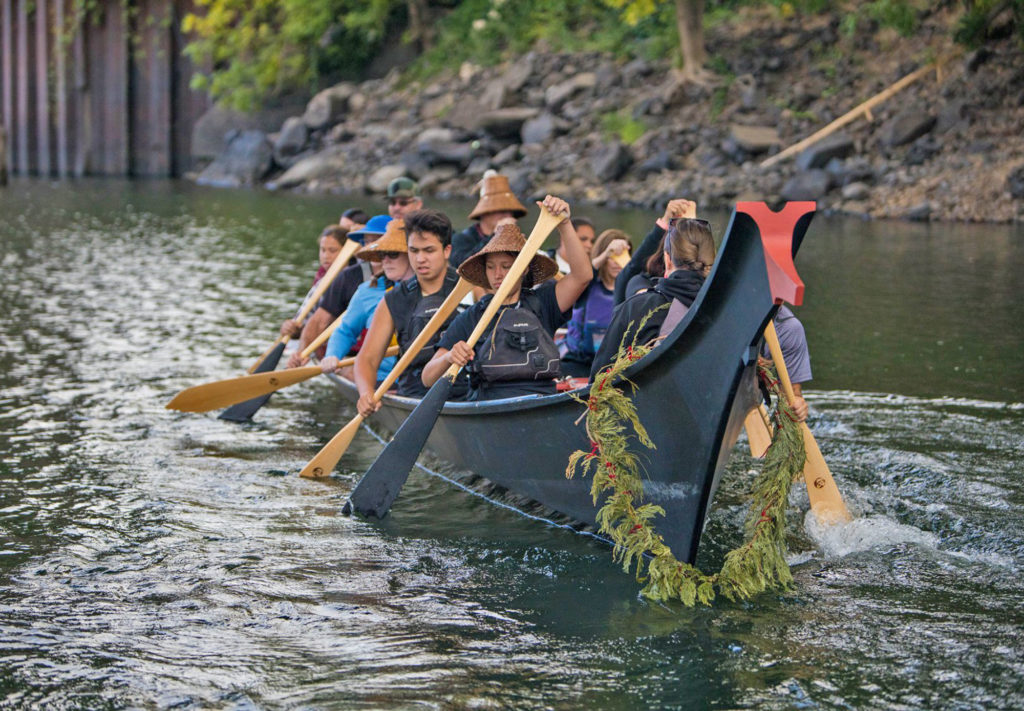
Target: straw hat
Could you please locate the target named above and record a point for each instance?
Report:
(507, 238)
(496, 196)
(393, 240)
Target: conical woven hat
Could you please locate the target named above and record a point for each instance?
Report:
(507, 238)
(393, 240)
(496, 196)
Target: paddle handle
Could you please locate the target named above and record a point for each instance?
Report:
(545, 224)
(826, 501)
(340, 262)
(451, 303)
(322, 338)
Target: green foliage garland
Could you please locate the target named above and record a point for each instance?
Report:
(611, 423)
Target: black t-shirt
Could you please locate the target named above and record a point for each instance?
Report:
(339, 293)
(544, 305)
(467, 243)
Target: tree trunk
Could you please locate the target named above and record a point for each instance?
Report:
(420, 30)
(690, 23)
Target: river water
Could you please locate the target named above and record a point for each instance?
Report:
(151, 559)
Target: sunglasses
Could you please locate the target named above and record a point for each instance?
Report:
(672, 222)
(390, 255)
(401, 201)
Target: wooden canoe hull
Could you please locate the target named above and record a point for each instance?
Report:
(692, 395)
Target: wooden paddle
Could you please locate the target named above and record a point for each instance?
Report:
(327, 458)
(340, 262)
(243, 411)
(759, 434)
(384, 479)
(221, 393)
(826, 502)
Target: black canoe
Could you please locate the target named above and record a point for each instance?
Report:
(693, 392)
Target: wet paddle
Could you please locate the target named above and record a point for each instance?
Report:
(327, 458)
(243, 411)
(826, 502)
(384, 479)
(212, 396)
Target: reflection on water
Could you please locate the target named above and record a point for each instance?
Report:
(158, 559)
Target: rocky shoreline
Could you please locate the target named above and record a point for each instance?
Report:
(950, 147)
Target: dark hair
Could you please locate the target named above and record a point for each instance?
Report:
(356, 215)
(656, 265)
(690, 245)
(428, 220)
(336, 231)
(577, 221)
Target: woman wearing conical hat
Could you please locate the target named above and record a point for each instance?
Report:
(497, 202)
(517, 354)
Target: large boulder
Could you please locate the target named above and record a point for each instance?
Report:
(507, 123)
(818, 155)
(325, 164)
(907, 126)
(611, 161)
(290, 141)
(558, 94)
(755, 139)
(541, 129)
(211, 131)
(807, 185)
(247, 158)
(379, 179)
(329, 106)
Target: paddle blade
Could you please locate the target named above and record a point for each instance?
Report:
(211, 396)
(826, 501)
(327, 458)
(243, 411)
(758, 435)
(269, 360)
(381, 483)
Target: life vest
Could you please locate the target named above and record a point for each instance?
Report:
(588, 325)
(518, 348)
(410, 312)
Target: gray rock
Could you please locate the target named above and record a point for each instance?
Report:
(838, 145)
(506, 155)
(446, 152)
(952, 117)
(1015, 182)
(516, 76)
(807, 185)
(853, 170)
(477, 166)
(379, 179)
(755, 139)
(507, 123)
(246, 159)
(611, 162)
(495, 95)
(329, 106)
(975, 59)
(919, 213)
(635, 70)
(907, 126)
(466, 113)
(520, 179)
(558, 94)
(434, 177)
(539, 129)
(326, 163)
(856, 191)
(436, 134)
(437, 106)
(290, 141)
(210, 132)
(658, 163)
(922, 150)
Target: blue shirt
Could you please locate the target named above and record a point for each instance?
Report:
(357, 317)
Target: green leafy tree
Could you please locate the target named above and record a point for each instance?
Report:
(689, 25)
(250, 51)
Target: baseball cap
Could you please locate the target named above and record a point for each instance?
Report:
(401, 187)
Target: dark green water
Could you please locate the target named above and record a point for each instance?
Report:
(151, 559)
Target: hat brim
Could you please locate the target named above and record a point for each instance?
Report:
(474, 269)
